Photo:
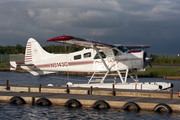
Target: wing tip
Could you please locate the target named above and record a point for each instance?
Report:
(60, 38)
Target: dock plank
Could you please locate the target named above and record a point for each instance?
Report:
(91, 97)
(89, 100)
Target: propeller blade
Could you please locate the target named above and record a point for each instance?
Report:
(147, 61)
(145, 64)
(150, 64)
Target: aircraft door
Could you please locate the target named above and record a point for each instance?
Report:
(98, 64)
(120, 60)
(109, 58)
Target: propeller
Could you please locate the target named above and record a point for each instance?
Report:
(147, 60)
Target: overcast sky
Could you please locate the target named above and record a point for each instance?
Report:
(130, 22)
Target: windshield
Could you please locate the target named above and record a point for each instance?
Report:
(97, 56)
(116, 53)
(122, 48)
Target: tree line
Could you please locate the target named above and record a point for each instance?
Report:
(18, 49)
(165, 59)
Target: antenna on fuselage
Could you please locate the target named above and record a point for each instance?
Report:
(92, 37)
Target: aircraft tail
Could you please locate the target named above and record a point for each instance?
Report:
(34, 52)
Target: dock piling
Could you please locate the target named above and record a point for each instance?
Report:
(91, 90)
(7, 84)
(67, 89)
(39, 87)
(113, 91)
(33, 100)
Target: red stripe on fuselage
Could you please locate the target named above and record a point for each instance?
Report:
(129, 59)
(41, 66)
(69, 64)
(80, 63)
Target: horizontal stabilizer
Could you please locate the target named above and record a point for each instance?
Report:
(40, 72)
(13, 65)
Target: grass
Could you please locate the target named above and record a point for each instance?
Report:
(4, 65)
(161, 71)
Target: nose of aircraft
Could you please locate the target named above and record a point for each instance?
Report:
(147, 60)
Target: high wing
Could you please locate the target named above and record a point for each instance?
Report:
(80, 42)
(74, 41)
(136, 46)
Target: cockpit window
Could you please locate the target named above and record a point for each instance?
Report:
(97, 56)
(77, 57)
(122, 48)
(116, 53)
(86, 55)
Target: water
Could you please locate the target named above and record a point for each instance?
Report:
(26, 112)
(28, 79)
(29, 112)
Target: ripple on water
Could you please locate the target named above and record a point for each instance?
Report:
(15, 112)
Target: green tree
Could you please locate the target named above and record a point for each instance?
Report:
(71, 49)
(19, 48)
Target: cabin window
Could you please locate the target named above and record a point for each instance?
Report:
(86, 55)
(77, 57)
(97, 56)
(116, 53)
(122, 48)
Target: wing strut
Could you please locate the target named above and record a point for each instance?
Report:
(101, 58)
(102, 81)
(123, 79)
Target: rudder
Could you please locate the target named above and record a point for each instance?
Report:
(34, 52)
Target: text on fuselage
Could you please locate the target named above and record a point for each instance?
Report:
(60, 64)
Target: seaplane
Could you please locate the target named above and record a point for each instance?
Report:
(97, 58)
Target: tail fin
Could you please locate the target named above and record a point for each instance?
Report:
(34, 52)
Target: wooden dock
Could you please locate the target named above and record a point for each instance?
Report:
(90, 97)
(171, 78)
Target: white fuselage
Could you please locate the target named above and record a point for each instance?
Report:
(85, 61)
